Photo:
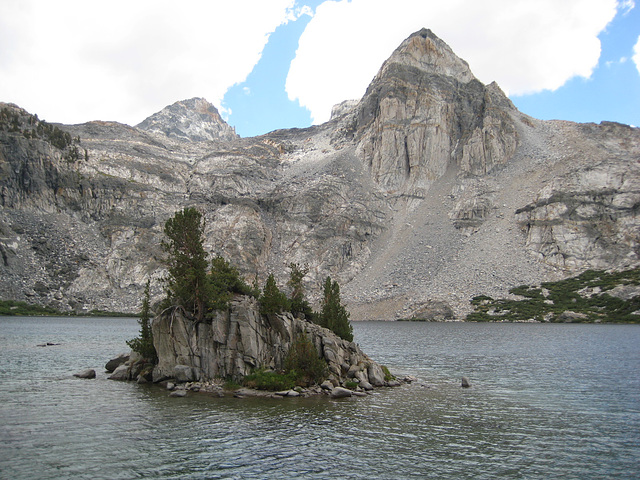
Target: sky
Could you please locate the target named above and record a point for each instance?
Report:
(270, 64)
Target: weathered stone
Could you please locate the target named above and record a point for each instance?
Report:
(340, 392)
(365, 385)
(327, 385)
(116, 362)
(178, 393)
(251, 342)
(88, 373)
(376, 375)
(570, 317)
(120, 373)
(183, 373)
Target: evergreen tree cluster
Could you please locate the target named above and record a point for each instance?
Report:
(31, 127)
(201, 288)
(195, 285)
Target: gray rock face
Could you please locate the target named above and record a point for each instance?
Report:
(424, 111)
(241, 340)
(189, 120)
(429, 190)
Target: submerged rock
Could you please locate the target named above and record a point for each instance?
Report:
(88, 373)
(178, 393)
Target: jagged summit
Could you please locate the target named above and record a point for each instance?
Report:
(426, 52)
(194, 119)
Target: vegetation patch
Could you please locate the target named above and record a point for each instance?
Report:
(583, 298)
(263, 379)
(16, 308)
(302, 367)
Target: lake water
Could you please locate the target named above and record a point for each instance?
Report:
(547, 401)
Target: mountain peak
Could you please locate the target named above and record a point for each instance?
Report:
(194, 119)
(427, 52)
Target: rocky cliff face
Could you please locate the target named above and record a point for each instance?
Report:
(429, 190)
(240, 340)
(191, 120)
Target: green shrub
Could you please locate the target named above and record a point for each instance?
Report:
(562, 296)
(263, 379)
(303, 359)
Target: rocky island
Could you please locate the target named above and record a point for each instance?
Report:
(213, 326)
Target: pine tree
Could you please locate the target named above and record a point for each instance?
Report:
(334, 315)
(225, 280)
(187, 284)
(299, 305)
(144, 343)
(272, 299)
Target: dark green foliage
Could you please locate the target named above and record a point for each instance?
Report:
(16, 308)
(144, 343)
(32, 128)
(302, 367)
(303, 359)
(272, 299)
(334, 315)
(585, 295)
(269, 380)
(225, 281)
(187, 284)
(299, 305)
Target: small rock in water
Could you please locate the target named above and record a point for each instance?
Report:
(88, 373)
(465, 382)
(340, 392)
(178, 393)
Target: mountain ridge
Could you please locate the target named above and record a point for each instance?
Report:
(431, 189)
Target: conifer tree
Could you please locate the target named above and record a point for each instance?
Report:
(334, 315)
(299, 305)
(144, 343)
(272, 299)
(187, 284)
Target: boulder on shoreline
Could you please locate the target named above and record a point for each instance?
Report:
(114, 363)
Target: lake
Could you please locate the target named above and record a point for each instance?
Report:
(547, 401)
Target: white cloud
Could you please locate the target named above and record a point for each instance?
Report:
(525, 46)
(636, 55)
(625, 6)
(76, 60)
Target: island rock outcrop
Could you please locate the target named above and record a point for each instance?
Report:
(240, 340)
